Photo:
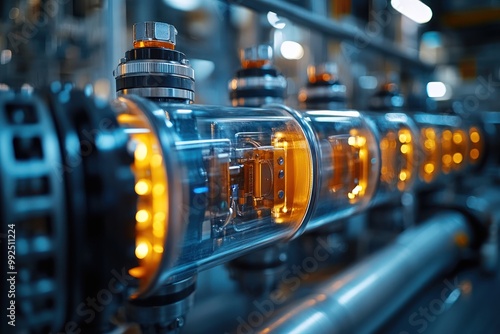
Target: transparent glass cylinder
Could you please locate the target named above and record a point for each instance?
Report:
(213, 183)
(449, 146)
(349, 164)
(398, 139)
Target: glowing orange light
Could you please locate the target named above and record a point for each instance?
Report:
(457, 158)
(475, 137)
(457, 138)
(142, 215)
(429, 168)
(474, 153)
(142, 187)
(142, 250)
(141, 152)
(447, 159)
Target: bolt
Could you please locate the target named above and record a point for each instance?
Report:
(257, 52)
(149, 30)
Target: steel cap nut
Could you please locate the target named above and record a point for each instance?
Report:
(150, 31)
(258, 52)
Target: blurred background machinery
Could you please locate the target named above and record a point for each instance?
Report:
(370, 41)
(351, 187)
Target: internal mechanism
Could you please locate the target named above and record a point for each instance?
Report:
(241, 178)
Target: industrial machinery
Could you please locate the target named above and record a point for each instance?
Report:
(130, 215)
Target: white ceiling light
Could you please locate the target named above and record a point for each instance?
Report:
(436, 89)
(275, 20)
(185, 5)
(291, 50)
(413, 9)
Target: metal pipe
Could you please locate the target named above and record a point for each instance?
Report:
(362, 298)
(333, 29)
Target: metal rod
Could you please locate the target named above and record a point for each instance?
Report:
(333, 29)
(362, 298)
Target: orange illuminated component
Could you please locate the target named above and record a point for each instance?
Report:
(431, 159)
(476, 145)
(259, 63)
(406, 163)
(351, 163)
(154, 44)
(292, 175)
(397, 159)
(460, 149)
(474, 154)
(447, 147)
(388, 147)
(150, 186)
(454, 143)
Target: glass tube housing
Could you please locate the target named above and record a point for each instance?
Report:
(216, 182)
(397, 136)
(213, 182)
(449, 145)
(349, 162)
